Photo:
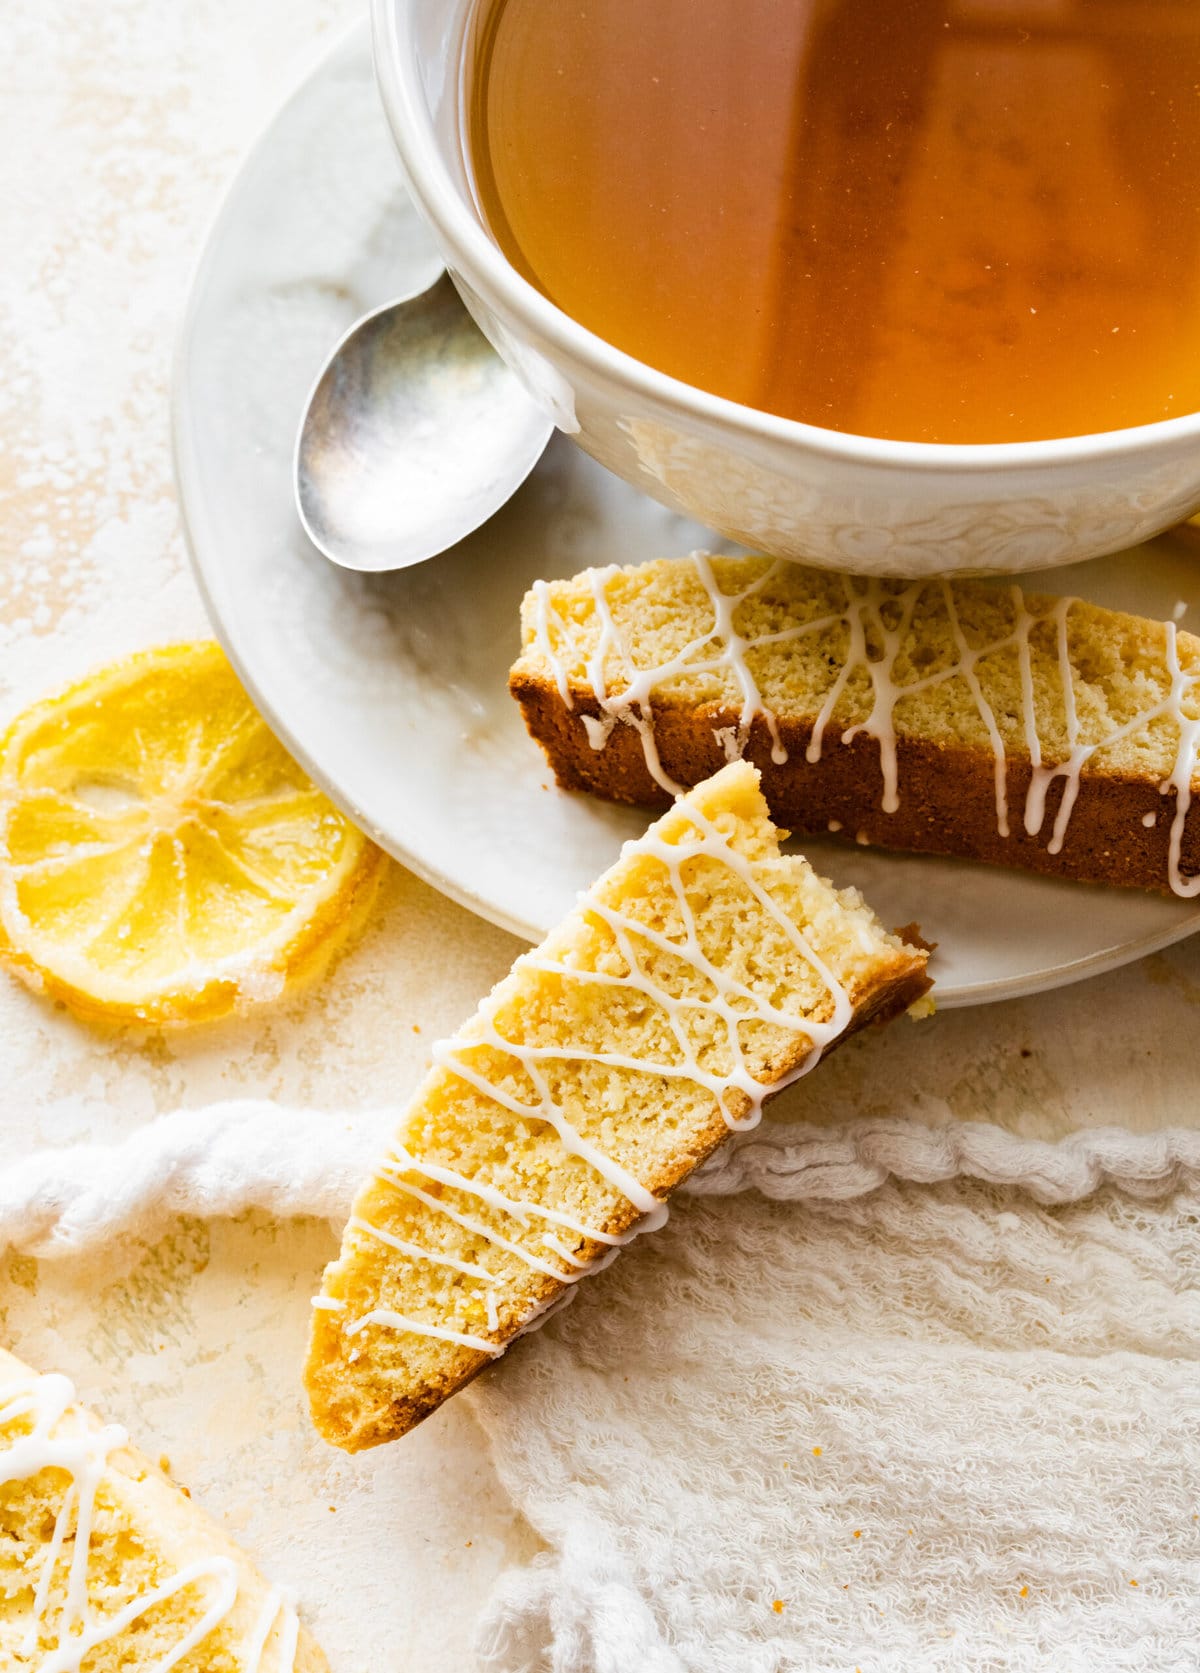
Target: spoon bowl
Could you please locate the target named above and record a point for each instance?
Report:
(414, 434)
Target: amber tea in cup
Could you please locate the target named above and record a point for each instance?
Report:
(927, 220)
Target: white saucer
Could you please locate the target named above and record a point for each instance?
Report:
(391, 689)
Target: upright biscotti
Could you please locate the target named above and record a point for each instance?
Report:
(701, 973)
(960, 717)
(105, 1565)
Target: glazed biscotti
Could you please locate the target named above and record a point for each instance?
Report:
(958, 717)
(105, 1565)
(701, 973)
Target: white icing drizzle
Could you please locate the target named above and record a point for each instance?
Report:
(724, 606)
(477, 1229)
(598, 728)
(721, 648)
(728, 1002)
(545, 1311)
(470, 1269)
(421, 1327)
(876, 618)
(403, 1160)
(276, 1607)
(1180, 778)
(59, 1437)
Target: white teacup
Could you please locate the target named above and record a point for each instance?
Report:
(778, 486)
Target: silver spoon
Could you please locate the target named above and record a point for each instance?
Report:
(414, 434)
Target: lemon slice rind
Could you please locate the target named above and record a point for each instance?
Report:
(119, 808)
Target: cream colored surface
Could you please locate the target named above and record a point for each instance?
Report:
(120, 124)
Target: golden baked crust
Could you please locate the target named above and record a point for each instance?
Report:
(1120, 825)
(596, 1076)
(947, 807)
(159, 1575)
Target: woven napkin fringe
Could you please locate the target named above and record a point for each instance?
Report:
(833, 1164)
(230, 1157)
(210, 1163)
(582, 1603)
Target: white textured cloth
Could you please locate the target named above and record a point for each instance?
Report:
(889, 1397)
(939, 1427)
(211, 1162)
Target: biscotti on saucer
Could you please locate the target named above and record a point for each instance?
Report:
(962, 717)
(106, 1566)
(701, 973)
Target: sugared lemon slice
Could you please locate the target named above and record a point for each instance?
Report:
(162, 857)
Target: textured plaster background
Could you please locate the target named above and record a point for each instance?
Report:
(118, 125)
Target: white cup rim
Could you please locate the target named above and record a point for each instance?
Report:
(438, 195)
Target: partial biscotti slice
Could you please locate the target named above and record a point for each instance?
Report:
(702, 972)
(958, 717)
(106, 1566)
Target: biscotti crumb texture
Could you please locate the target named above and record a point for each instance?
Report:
(703, 971)
(951, 717)
(106, 1567)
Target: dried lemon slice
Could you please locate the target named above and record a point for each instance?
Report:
(162, 857)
